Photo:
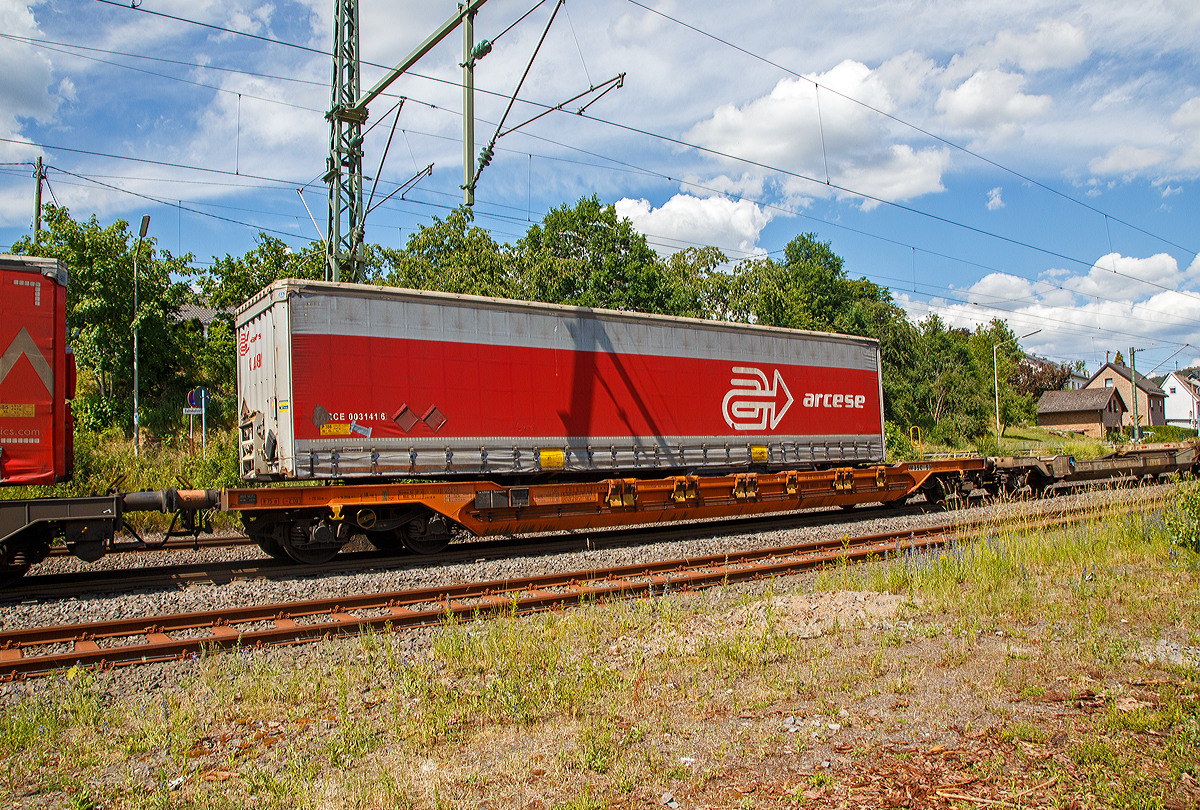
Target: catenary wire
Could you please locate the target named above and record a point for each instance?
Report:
(912, 126)
(1072, 327)
(846, 190)
(837, 187)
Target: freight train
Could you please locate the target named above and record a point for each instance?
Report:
(415, 415)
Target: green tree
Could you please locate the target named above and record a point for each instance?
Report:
(452, 255)
(1017, 403)
(948, 384)
(100, 316)
(810, 289)
(232, 281)
(697, 284)
(587, 256)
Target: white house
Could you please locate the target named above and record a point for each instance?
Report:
(1183, 400)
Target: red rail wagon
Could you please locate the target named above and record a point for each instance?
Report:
(340, 380)
(37, 372)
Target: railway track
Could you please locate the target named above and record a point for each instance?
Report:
(36, 651)
(91, 581)
(49, 586)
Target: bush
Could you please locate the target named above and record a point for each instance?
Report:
(1168, 433)
(1183, 521)
(899, 445)
(987, 445)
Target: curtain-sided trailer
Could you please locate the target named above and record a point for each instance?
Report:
(342, 380)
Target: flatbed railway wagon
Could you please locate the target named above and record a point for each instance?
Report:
(37, 382)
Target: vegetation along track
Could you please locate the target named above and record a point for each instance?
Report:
(161, 638)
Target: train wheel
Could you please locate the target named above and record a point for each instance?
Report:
(935, 492)
(312, 542)
(18, 554)
(270, 546)
(428, 534)
(263, 533)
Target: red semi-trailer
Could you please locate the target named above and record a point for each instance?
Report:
(341, 380)
(37, 372)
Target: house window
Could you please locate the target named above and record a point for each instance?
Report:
(1172, 390)
(1108, 382)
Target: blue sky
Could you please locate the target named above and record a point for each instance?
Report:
(1083, 110)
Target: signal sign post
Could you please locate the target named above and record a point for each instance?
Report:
(197, 400)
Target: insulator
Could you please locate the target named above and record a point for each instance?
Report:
(485, 157)
(481, 50)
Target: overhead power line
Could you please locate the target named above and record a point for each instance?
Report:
(1071, 327)
(213, 27)
(175, 204)
(694, 146)
(791, 72)
(856, 193)
(144, 160)
(910, 125)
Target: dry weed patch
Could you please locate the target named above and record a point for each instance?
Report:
(1012, 669)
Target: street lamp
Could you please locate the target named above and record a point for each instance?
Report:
(996, 376)
(137, 441)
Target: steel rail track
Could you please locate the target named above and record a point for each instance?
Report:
(149, 639)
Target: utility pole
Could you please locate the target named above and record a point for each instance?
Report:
(1133, 378)
(343, 248)
(137, 439)
(344, 165)
(996, 374)
(468, 66)
(39, 174)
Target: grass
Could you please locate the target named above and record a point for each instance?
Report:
(613, 705)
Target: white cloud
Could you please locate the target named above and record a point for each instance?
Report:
(901, 173)
(1126, 158)
(1075, 310)
(1054, 44)
(724, 223)
(838, 140)
(1186, 122)
(748, 185)
(991, 101)
(995, 202)
(25, 91)
(250, 21)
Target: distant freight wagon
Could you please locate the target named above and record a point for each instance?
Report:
(341, 380)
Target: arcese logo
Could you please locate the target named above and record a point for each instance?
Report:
(754, 403)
